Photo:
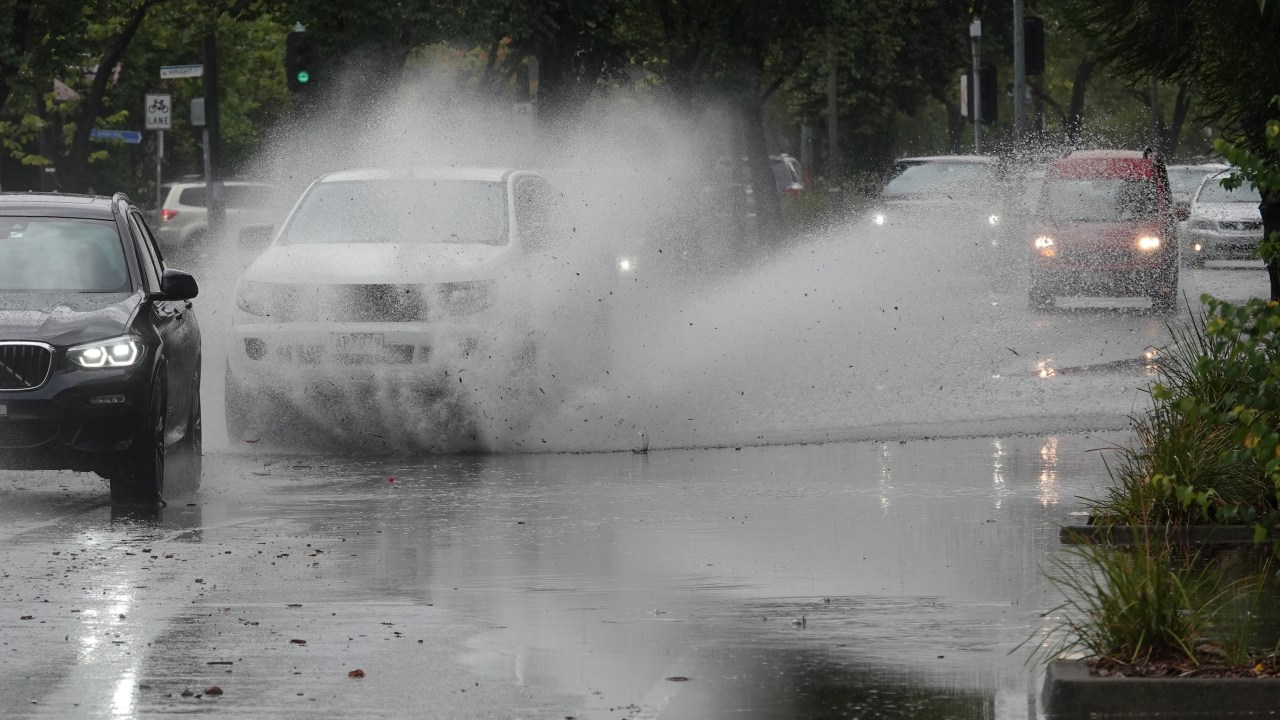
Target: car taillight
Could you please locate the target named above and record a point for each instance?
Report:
(167, 215)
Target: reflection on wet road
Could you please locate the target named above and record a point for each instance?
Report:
(842, 580)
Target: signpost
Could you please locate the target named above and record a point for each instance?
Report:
(181, 71)
(159, 115)
(159, 112)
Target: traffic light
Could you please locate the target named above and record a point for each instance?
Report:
(299, 58)
(1033, 44)
(990, 96)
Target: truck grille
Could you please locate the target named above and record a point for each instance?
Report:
(1241, 225)
(24, 365)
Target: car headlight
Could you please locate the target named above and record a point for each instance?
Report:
(626, 264)
(118, 352)
(878, 218)
(1044, 241)
(1148, 243)
(993, 219)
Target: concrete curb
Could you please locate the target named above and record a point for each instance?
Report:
(1071, 692)
(1184, 535)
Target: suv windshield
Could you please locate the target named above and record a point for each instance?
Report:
(60, 254)
(1100, 200)
(1213, 192)
(951, 178)
(401, 211)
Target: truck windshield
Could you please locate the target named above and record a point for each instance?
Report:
(401, 211)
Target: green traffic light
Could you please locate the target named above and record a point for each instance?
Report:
(303, 76)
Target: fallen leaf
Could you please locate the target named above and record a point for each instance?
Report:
(357, 673)
(214, 691)
(678, 678)
(293, 605)
(296, 641)
(251, 440)
(27, 617)
(186, 692)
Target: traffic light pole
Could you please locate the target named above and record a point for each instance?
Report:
(1019, 71)
(213, 133)
(975, 41)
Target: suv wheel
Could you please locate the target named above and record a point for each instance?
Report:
(140, 479)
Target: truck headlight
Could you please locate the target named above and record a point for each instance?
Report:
(1148, 243)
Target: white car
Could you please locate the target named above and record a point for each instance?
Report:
(1223, 224)
(408, 279)
(182, 227)
(962, 191)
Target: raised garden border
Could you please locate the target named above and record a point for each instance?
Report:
(1184, 535)
(1070, 691)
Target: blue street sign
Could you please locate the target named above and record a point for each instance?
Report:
(128, 137)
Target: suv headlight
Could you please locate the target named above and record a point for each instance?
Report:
(464, 298)
(118, 352)
(256, 298)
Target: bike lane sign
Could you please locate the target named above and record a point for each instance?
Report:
(159, 112)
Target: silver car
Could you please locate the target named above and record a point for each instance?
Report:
(1223, 224)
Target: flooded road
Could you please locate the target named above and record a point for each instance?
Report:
(841, 580)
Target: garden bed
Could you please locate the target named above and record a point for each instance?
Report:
(1072, 690)
(1179, 535)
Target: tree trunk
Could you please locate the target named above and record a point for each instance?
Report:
(764, 189)
(77, 159)
(1075, 112)
(1181, 107)
(1270, 209)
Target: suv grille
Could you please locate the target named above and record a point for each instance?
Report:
(26, 433)
(24, 365)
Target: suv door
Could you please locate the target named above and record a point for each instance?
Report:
(174, 322)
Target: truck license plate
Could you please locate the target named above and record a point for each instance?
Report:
(359, 343)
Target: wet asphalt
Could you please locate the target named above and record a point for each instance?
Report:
(842, 580)
(869, 579)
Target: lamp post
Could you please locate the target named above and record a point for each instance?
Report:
(975, 42)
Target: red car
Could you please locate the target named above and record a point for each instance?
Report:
(1105, 226)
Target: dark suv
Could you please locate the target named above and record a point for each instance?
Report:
(99, 346)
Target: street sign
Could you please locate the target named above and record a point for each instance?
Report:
(181, 71)
(128, 137)
(159, 112)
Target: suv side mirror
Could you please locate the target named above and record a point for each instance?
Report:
(1182, 212)
(255, 237)
(177, 285)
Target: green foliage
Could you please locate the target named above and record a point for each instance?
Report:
(1223, 49)
(1130, 604)
(1180, 469)
(1154, 601)
(1260, 168)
